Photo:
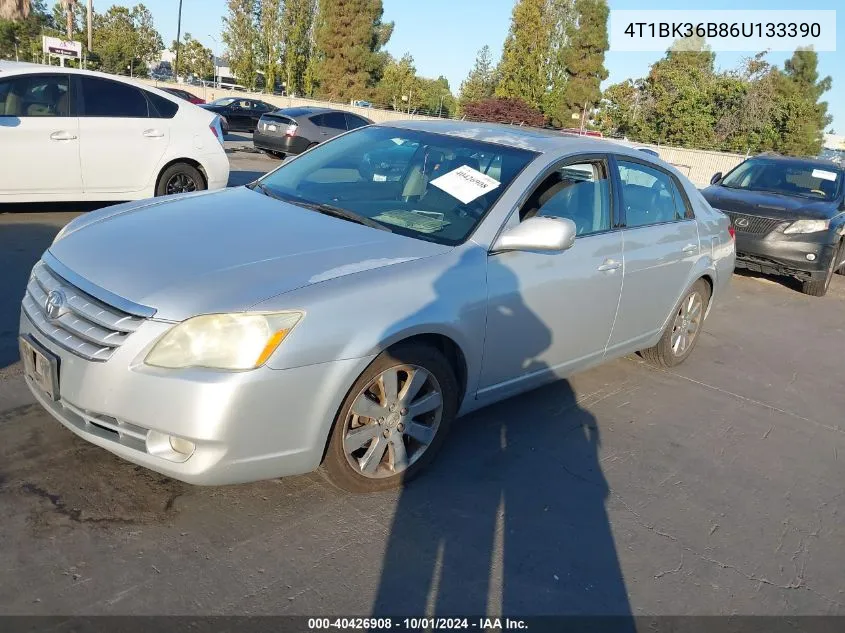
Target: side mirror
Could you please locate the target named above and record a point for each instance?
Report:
(716, 178)
(548, 235)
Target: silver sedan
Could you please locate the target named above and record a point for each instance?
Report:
(343, 310)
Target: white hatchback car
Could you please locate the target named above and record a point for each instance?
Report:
(71, 134)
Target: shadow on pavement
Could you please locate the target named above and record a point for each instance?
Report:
(240, 178)
(21, 245)
(510, 520)
(786, 282)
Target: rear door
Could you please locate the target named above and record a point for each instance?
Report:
(331, 124)
(121, 140)
(39, 136)
(661, 248)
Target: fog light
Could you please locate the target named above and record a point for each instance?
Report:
(169, 447)
(181, 445)
(811, 257)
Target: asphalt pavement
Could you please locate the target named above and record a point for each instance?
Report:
(713, 488)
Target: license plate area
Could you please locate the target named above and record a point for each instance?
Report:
(40, 366)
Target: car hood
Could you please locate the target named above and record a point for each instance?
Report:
(771, 205)
(223, 251)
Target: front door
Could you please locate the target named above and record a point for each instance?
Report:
(661, 248)
(552, 313)
(39, 136)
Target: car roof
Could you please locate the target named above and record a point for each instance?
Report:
(801, 160)
(305, 111)
(524, 137)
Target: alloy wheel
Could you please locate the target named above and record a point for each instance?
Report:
(392, 421)
(687, 323)
(180, 183)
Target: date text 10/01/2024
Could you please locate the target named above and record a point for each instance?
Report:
(417, 624)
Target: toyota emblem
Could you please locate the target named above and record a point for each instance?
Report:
(55, 304)
(742, 222)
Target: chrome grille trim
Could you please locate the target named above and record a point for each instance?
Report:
(90, 328)
(757, 225)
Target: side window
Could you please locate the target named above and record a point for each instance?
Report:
(317, 120)
(261, 106)
(35, 96)
(106, 98)
(649, 195)
(353, 121)
(163, 108)
(579, 192)
(334, 120)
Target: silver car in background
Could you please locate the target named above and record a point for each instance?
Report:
(343, 310)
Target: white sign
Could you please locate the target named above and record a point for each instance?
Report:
(63, 48)
(465, 183)
(824, 174)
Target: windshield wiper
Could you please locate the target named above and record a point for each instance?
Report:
(344, 214)
(323, 208)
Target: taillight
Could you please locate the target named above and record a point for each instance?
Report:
(291, 131)
(732, 231)
(213, 129)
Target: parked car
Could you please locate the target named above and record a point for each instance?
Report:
(242, 114)
(79, 135)
(291, 131)
(184, 94)
(789, 217)
(324, 317)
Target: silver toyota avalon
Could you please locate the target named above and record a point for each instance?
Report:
(343, 310)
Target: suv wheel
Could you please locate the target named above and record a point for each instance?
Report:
(818, 287)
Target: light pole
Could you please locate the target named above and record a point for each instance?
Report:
(178, 35)
(214, 57)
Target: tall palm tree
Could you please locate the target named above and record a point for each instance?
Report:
(69, 6)
(14, 9)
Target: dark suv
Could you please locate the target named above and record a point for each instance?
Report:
(788, 215)
(293, 130)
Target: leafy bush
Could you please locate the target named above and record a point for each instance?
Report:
(499, 110)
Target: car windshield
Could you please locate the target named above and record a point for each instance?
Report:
(786, 178)
(424, 185)
(224, 101)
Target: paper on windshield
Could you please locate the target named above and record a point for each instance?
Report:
(465, 183)
(824, 174)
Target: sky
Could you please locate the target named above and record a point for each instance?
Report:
(444, 35)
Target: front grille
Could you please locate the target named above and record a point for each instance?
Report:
(85, 326)
(756, 224)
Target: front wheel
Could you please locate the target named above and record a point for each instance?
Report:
(818, 287)
(681, 335)
(393, 421)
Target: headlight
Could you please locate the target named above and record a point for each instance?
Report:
(807, 226)
(223, 341)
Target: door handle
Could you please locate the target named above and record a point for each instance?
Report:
(690, 248)
(610, 265)
(62, 136)
(153, 133)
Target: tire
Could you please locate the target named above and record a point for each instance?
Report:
(347, 470)
(841, 269)
(663, 354)
(180, 178)
(818, 287)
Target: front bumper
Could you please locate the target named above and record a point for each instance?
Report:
(246, 426)
(781, 254)
(281, 144)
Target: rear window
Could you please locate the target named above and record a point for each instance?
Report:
(163, 108)
(106, 98)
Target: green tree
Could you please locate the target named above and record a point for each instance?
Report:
(804, 116)
(297, 30)
(523, 72)
(125, 38)
(480, 83)
(270, 40)
(582, 57)
(562, 15)
(194, 58)
(15, 10)
(349, 37)
(436, 97)
(619, 109)
(242, 40)
(398, 83)
(21, 38)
